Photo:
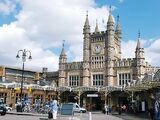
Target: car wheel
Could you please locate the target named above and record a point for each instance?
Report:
(3, 113)
(84, 111)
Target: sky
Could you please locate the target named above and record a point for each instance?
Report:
(42, 25)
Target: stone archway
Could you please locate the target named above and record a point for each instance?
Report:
(91, 100)
(118, 99)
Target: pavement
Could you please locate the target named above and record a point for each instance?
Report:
(136, 116)
(88, 116)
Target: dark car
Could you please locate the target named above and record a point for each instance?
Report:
(3, 109)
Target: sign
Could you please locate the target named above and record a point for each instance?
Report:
(67, 109)
(92, 95)
(143, 106)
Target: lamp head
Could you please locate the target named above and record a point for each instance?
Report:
(30, 57)
(17, 56)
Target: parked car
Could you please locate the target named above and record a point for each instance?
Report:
(3, 109)
(8, 108)
(77, 108)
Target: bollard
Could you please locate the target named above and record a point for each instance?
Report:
(90, 116)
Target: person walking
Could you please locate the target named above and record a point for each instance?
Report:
(107, 109)
(54, 109)
(151, 113)
(120, 110)
(104, 109)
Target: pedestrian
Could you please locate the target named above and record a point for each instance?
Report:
(119, 110)
(107, 109)
(124, 108)
(151, 113)
(104, 109)
(54, 109)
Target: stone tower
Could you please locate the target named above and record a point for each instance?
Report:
(100, 50)
(109, 51)
(102, 64)
(62, 70)
(139, 60)
(86, 53)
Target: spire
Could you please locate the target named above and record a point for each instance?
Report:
(110, 18)
(87, 21)
(118, 28)
(110, 23)
(63, 52)
(138, 42)
(86, 28)
(110, 9)
(96, 28)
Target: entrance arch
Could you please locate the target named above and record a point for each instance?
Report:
(91, 100)
(118, 99)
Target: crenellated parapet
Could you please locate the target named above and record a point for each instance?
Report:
(98, 36)
(98, 33)
(74, 66)
(125, 62)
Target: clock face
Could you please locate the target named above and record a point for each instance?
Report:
(97, 48)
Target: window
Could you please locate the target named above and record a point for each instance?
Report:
(124, 78)
(98, 80)
(74, 80)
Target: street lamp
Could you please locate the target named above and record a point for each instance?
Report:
(23, 55)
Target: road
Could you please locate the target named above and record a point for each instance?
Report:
(18, 117)
(84, 116)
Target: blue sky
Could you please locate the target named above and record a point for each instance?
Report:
(42, 25)
(135, 15)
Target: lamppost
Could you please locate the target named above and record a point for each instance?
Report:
(23, 55)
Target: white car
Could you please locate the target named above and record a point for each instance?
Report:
(8, 108)
(77, 108)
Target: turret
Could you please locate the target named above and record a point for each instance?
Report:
(118, 35)
(109, 51)
(62, 65)
(139, 59)
(110, 22)
(63, 56)
(118, 28)
(139, 53)
(86, 42)
(86, 28)
(110, 37)
(96, 28)
(86, 52)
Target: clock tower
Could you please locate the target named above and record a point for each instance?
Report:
(100, 50)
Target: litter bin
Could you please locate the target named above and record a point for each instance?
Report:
(19, 108)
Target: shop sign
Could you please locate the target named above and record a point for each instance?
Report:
(92, 95)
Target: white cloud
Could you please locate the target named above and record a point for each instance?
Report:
(128, 48)
(41, 26)
(151, 51)
(7, 7)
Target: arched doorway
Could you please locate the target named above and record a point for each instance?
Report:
(119, 99)
(91, 100)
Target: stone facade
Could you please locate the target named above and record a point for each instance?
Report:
(34, 85)
(102, 64)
